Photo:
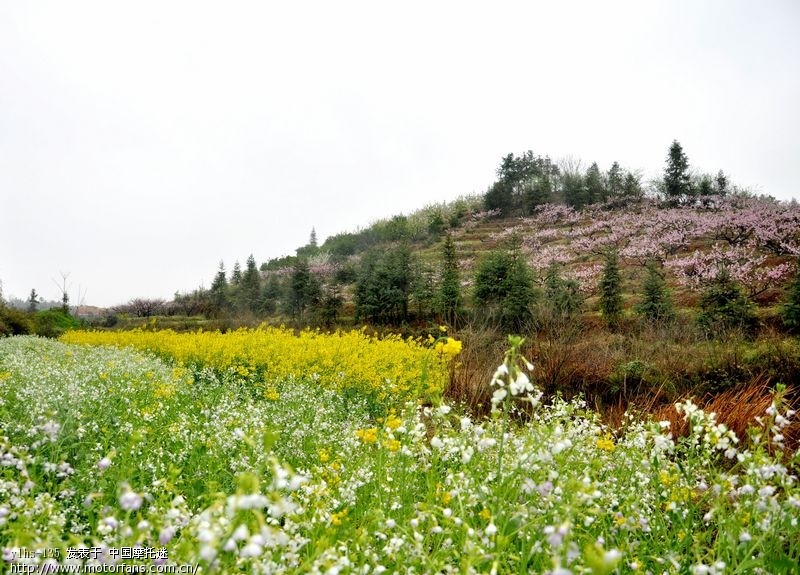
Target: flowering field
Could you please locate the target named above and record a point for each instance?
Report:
(756, 240)
(104, 447)
(385, 370)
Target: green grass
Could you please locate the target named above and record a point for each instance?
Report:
(107, 447)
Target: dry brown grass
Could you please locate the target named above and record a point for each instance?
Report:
(648, 369)
(737, 408)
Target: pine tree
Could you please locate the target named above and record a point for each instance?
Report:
(504, 289)
(595, 190)
(562, 298)
(574, 190)
(677, 180)
(611, 290)
(33, 301)
(250, 287)
(236, 275)
(656, 304)
(312, 240)
(305, 290)
(271, 295)
(450, 287)
(723, 307)
(632, 186)
(219, 290)
(721, 187)
(791, 307)
(614, 181)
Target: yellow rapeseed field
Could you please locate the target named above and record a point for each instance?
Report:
(388, 369)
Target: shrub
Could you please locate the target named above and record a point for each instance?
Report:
(656, 304)
(724, 308)
(504, 289)
(791, 308)
(53, 322)
(611, 290)
(14, 321)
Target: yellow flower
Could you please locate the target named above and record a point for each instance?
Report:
(390, 368)
(336, 518)
(443, 328)
(393, 422)
(485, 514)
(392, 444)
(323, 456)
(369, 435)
(665, 477)
(606, 443)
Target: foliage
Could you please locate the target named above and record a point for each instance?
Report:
(305, 290)
(249, 289)
(14, 321)
(791, 307)
(562, 297)
(504, 289)
(611, 290)
(449, 301)
(656, 303)
(384, 286)
(723, 307)
(219, 291)
(677, 178)
(523, 182)
(53, 322)
(33, 301)
(109, 448)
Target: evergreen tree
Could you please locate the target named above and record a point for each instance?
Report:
(723, 307)
(516, 306)
(504, 289)
(250, 286)
(595, 190)
(511, 193)
(271, 294)
(423, 288)
(436, 224)
(573, 187)
(611, 290)
(677, 179)
(614, 181)
(331, 305)
(791, 307)
(705, 187)
(499, 197)
(236, 275)
(721, 182)
(219, 290)
(562, 298)
(383, 286)
(538, 191)
(305, 290)
(632, 186)
(656, 304)
(33, 301)
(450, 286)
(312, 240)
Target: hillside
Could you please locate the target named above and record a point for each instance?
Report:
(757, 240)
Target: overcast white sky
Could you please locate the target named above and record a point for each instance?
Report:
(142, 142)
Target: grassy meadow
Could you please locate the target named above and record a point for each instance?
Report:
(262, 451)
